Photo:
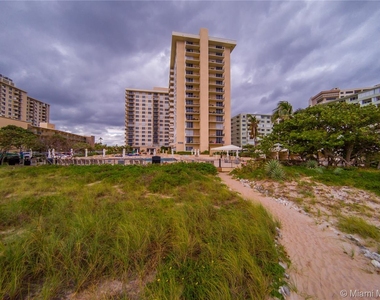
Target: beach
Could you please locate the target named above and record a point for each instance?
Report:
(324, 263)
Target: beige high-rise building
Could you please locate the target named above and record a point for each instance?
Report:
(147, 119)
(200, 91)
(17, 105)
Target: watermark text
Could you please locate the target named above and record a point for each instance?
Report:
(360, 294)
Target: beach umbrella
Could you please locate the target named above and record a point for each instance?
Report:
(104, 152)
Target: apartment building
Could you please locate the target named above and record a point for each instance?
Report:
(370, 96)
(48, 129)
(17, 105)
(147, 119)
(240, 128)
(37, 112)
(334, 94)
(200, 91)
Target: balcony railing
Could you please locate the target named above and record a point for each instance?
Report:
(216, 61)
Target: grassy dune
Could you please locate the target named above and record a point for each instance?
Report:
(174, 231)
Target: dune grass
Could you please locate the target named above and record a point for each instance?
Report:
(353, 224)
(362, 178)
(175, 229)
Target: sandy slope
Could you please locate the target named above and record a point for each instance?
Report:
(323, 263)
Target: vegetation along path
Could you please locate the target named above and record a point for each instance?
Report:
(321, 268)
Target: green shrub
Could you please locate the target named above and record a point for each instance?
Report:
(311, 164)
(359, 226)
(319, 170)
(338, 171)
(274, 170)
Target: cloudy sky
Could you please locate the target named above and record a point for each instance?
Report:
(79, 56)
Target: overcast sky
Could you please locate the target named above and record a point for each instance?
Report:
(79, 56)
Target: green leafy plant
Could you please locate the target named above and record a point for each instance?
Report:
(338, 171)
(311, 164)
(274, 170)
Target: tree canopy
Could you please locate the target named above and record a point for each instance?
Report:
(12, 136)
(342, 132)
(282, 112)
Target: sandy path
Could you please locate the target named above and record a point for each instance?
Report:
(320, 269)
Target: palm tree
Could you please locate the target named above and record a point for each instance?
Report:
(253, 124)
(282, 112)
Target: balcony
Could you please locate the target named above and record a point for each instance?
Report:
(216, 55)
(192, 96)
(216, 47)
(192, 112)
(216, 84)
(213, 76)
(188, 103)
(192, 45)
(191, 89)
(191, 74)
(214, 120)
(215, 62)
(215, 112)
(192, 67)
(190, 59)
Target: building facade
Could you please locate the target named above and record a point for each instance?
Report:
(362, 96)
(199, 91)
(37, 112)
(48, 129)
(17, 105)
(334, 95)
(147, 119)
(240, 128)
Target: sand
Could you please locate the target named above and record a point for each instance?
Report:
(324, 265)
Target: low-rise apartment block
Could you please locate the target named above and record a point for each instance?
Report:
(334, 95)
(240, 125)
(48, 129)
(361, 96)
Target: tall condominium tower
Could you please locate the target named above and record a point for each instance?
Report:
(147, 119)
(200, 91)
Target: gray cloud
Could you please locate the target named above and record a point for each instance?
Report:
(79, 56)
